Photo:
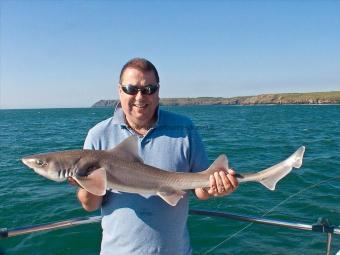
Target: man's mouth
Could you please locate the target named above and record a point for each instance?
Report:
(140, 105)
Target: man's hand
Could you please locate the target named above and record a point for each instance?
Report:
(222, 183)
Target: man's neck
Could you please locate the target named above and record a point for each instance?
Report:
(141, 129)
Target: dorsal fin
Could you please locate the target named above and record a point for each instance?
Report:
(127, 150)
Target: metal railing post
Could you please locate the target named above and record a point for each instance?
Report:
(329, 244)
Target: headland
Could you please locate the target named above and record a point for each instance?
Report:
(332, 97)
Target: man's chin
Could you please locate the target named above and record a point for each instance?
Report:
(139, 114)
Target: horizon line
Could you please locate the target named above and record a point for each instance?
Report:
(91, 106)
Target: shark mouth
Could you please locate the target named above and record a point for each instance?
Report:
(54, 176)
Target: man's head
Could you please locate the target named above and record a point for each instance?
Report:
(140, 64)
(139, 92)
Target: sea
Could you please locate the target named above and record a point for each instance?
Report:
(253, 138)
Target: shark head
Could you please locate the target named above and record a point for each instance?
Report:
(82, 165)
(54, 166)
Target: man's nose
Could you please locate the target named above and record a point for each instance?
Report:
(139, 95)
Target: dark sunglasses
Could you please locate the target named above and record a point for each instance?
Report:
(145, 90)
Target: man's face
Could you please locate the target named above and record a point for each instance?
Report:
(139, 109)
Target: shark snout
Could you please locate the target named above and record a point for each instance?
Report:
(41, 167)
(28, 161)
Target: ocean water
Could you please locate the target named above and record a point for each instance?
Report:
(253, 137)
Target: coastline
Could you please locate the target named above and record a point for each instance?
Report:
(312, 98)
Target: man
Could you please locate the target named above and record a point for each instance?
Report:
(139, 224)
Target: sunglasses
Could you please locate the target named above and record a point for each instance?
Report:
(145, 90)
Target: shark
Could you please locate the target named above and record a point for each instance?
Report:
(121, 169)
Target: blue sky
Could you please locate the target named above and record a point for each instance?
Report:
(69, 53)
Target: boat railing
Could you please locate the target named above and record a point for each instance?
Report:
(321, 226)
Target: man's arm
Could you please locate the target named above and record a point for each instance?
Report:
(89, 201)
(222, 182)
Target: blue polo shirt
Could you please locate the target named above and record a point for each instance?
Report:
(144, 224)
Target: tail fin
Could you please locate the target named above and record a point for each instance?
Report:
(221, 163)
(272, 175)
(298, 156)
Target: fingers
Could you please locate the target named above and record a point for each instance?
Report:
(232, 178)
(226, 182)
(222, 183)
(213, 188)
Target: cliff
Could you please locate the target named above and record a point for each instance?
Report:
(332, 97)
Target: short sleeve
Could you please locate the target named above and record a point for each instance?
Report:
(88, 144)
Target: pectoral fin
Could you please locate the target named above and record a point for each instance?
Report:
(170, 195)
(95, 183)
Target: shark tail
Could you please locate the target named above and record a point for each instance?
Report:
(298, 156)
(269, 183)
(283, 168)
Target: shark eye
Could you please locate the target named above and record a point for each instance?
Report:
(40, 162)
